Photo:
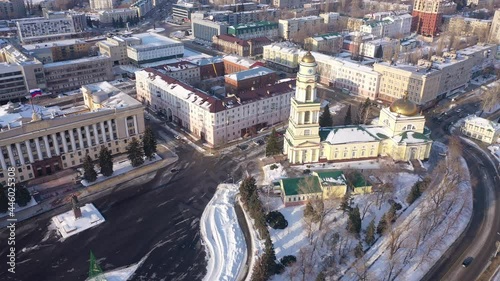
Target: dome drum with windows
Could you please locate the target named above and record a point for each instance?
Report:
(404, 106)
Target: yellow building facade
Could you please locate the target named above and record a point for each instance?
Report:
(400, 132)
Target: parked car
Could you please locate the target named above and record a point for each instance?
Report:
(174, 170)
(467, 261)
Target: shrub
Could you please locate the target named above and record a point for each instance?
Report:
(273, 167)
(276, 220)
(288, 260)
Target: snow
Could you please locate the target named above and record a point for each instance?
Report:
(120, 168)
(271, 176)
(31, 203)
(123, 273)
(495, 150)
(349, 134)
(68, 226)
(223, 239)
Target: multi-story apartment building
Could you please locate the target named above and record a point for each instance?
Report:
(234, 63)
(116, 48)
(481, 56)
(330, 18)
(470, 26)
(254, 30)
(182, 11)
(12, 82)
(205, 29)
(455, 70)
(330, 43)
(150, 47)
(143, 7)
(106, 17)
(481, 129)
(12, 9)
(214, 120)
(72, 74)
(32, 69)
(282, 56)
(244, 48)
(419, 82)
(375, 48)
(290, 4)
(427, 16)
(101, 4)
(61, 50)
(183, 70)
(494, 35)
(290, 27)
(54, 26)
(391, 26)
(388, 6)
(250, 79)
(53, 139)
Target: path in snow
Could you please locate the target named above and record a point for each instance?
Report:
(223, 239)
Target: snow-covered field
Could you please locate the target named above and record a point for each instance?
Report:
(68, 226)
(221, 234)
(273, 175)
(119, 168)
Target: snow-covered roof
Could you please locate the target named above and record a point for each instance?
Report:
(151, 40)
(410, 137)
(13, 115)
(246, 62)
(331, 178)
(349, 134)
(110, 97)
(76, 61)
(250, 73)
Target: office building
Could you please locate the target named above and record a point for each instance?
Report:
(244, 48)
(62, 50)
(204, 29)
(254, 30)
(290, 27)
(12, 9)
(53, 26)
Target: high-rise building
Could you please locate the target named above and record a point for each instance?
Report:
(427, 16)
(12, 9)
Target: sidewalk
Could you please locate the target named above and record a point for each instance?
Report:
(60, 196)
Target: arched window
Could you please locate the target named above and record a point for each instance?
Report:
(308, 93)
(307, 117)
(409, 127)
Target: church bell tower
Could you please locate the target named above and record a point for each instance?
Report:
(302, 141)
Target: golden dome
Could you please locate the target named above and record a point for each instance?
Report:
(308, 58)
(404, 107)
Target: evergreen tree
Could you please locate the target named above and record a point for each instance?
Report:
(348, 117)
(113, 22)
(345, 204)
(325, 120)
(247, 188)
(121, 24)
(382, 225)
(363, 111)
(23, 196)
(354, 223)
(273, 146)
(358, 251)
(135, 153)
(309, 211)
(415, 193)
(89, 173)
(270, 255)
(370, 233)
(105, 161)
(260, 272)
(149, 143)
(4, 200)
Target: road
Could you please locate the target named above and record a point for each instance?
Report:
(160, 218)
(479, 239)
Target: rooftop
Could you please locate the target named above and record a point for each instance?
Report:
(307, 18)
(250, 73)
(8, 67)
(296, 186)
(110, 97)
(77, 61)
(152, 39)
(331, 178)
(482, 122)
(326, 36)
(67, 42)
(349, 134)
(240, 60)
(254, 25)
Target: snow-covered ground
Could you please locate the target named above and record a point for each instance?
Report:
(121, 274)
(120, 168)
(334, 109)
(221, 234)
(298, 241)
(273, 175)
(495, 150)
(68, 226)
(17, 209)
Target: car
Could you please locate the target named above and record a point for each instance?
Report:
(174, 170)
(467, 261)
(260, 142)
(177, 137)
(242, 146)
(459, 110)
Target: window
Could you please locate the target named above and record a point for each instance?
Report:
(307, 132)
(307, 117)
(308, 93)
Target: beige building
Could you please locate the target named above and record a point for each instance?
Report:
(330, 43)
(495, 28)
(107, 16)
(288, 28)
(101, 4)
(400, 133)
(11, 82)
(116, 48)
(215, 120)
(72, 74)
(53, 139)
(470, 26)
(419, 82)
(61, 50)
(481, 129)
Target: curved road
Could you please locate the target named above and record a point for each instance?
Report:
(479, 239)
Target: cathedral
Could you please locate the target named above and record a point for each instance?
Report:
(400, 131)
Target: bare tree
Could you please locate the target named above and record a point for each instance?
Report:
(490, 98)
